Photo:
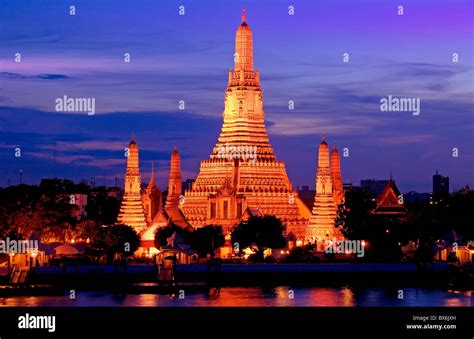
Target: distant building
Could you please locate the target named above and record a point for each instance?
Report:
(462, 252)
(115, 192)
(440, 183)
(188, 184)
(347, 187)
(374, 186)
(413, 196)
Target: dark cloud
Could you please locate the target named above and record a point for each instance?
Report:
(45, 76)
(84, 144)
(52, 76)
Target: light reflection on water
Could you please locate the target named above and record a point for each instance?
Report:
(257, 296)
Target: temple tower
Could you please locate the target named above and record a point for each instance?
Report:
(243, 58)
(321, 225)
(174, 181)
(336, 177)
(131, 211)
(152, 198)
(242, 172)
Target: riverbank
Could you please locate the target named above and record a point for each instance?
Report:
(321, 274)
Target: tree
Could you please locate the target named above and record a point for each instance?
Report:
(205, 240)
(86, 229)
(161, 236)
(47, 210)
(259, 234)
(102, 208)
(354, 215)
(301, 255)
(383, 234)
(445, 217)
(120, 239)
(26, 208)
(163, 233)
(123, 239)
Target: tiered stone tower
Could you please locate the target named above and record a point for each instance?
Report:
(174, 181)
(328, 194)
(131, 211)
(152, 198)
(336, 177)
(242, 172)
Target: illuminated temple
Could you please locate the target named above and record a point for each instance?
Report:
(329, 194)
(132, 212)
(242, 174)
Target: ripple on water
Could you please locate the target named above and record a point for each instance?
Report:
(261, 297)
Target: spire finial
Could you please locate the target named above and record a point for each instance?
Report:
(133, 136)
(324, 135)
(152, 184)
(244, 15)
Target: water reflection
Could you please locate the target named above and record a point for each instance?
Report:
(255, 296)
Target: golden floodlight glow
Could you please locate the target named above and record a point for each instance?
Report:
(243, 177)
(132, 212)
(329, 194)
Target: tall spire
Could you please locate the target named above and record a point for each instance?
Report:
(151, 198)
(232, 181)
(335, 161)
(131, 211)
(323, 154)
(328, 196)
(152, 183)
(243, 46)
(132, 158)
(338, 191)
(174, 181)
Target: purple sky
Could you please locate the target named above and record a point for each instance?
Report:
(187, 58)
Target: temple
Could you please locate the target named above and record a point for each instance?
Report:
(390, 203)
(242, 174)
(241, 178)
(174, 181)
(157, 215)
(131, 211)
(152, 198)
(336, 177)
(329, 194)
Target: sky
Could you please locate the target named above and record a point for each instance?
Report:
(187, 57)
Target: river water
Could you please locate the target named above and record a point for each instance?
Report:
(257, 296)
